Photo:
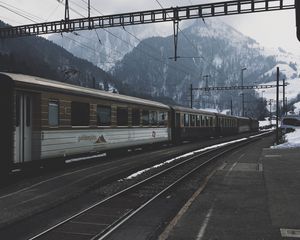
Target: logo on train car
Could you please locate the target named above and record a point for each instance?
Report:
(87, 138)
(101, 139)
(93, 138)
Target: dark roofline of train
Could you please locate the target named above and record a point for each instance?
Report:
(199, 111)
(44, 83)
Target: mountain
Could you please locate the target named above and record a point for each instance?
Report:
(104, 47)
(140, 60)
(212, 48)
(40, 57)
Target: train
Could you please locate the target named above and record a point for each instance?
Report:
(44, 120)
(289, 123)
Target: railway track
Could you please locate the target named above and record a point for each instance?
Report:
(105, 217)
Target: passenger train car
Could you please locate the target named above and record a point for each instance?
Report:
(44, 120)
(290, 123)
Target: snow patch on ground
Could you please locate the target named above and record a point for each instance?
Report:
(189, 154)
(292, 140)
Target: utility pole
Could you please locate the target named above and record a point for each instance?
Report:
(284, 103)
(94, 82)
(89, 13)
(277, 108)
(67, 14)
(175, 32)
(89, 8)
(231, 112)
(270, 103)
(205, 77)
(191, 92)
(243, 96)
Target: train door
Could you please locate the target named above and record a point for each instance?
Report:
(177, 128)
(23, 135)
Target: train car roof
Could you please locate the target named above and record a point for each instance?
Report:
(69, 88)
(190, 110)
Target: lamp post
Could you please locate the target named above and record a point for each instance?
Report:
(243, 97)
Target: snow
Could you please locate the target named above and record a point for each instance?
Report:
(266, 122)
(284, 68)
(297, 108)
(292, 140)
(190, 154)
(85, 158)
(288, 64)
(218, 61)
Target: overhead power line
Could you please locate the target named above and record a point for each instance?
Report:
(176, 25)
(233, 7)
(17, 13)
(140, 50)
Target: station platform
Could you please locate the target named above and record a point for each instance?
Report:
(254, 195)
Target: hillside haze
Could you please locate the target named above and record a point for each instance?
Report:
(39, 57)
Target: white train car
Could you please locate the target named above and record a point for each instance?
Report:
(46, 119)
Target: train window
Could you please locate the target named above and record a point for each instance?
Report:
(103, 115)
(202, 121)
(193, 120)
(153, 118)
(145, 117)
(53, 113)
(80, 114)
(206, 121)
(197, 120)
(122, 116)
(186, 120)
(177, 120)
(136, 117)
(162, 118)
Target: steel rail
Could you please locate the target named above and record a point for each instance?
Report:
(119, 222)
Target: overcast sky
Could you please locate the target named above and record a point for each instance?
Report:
(272, 29)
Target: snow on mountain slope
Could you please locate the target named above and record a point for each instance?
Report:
(104, 47)
(292, 90)
(289, 67)
(125, 53)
